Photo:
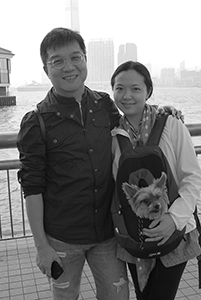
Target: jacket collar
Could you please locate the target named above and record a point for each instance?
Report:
(54, 103)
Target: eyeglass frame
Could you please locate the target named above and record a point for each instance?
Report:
(51, 62)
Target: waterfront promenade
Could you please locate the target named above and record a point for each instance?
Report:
(20, 278)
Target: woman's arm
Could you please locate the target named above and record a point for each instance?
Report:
(188, 174)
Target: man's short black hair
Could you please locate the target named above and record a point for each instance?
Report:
(59, 37)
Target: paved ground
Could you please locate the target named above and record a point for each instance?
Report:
(20, 279)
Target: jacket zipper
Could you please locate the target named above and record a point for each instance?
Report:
(81, 114)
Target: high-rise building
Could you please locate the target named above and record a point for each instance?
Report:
(127, 52)
(100, 61)
(72, 20)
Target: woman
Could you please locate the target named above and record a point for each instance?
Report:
(132, 87)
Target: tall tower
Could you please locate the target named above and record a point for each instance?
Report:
(72, 20)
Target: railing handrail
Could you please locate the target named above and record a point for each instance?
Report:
(8, 139)
(11, 164)
(194, 129)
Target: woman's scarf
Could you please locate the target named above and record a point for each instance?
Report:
(139, 136)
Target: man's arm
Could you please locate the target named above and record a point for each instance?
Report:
(45, 253)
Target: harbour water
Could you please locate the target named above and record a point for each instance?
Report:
(188, 100)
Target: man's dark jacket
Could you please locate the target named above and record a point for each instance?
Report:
(73, 168)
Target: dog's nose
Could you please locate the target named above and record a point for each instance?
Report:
(157, 206)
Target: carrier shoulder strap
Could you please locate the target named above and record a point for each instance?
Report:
(154, 137)
(41, 123)
(124, 143)
(157, 129)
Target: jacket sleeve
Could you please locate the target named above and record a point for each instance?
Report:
(32, 156)
(187, 172)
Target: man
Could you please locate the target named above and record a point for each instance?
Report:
(67, 179)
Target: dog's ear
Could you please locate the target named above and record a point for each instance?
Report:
(129, 189)
(161, 182)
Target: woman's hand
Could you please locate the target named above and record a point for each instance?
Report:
(160, 229)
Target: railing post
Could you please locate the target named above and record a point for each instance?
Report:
(22, 207)
(0, 228)
(10, 205)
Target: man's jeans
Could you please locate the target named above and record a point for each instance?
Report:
(110, 273)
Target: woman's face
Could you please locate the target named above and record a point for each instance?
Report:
(130, 93)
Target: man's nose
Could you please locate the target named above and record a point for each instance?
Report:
(68, 65)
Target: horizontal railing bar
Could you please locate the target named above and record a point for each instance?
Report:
(8, 139)
(197, 150)
(15, 163)
(194, 129)
(9, 164)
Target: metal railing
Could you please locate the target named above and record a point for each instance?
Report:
(13, 221)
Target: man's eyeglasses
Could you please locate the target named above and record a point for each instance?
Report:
(59, 63)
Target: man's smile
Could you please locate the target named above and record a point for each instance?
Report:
(70, 78)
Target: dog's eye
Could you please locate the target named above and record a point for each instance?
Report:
(156, 196)
(146, 201)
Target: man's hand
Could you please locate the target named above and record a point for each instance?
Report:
(44, 259)
(172, 111)
(165, 227)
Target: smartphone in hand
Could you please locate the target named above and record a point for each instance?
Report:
(56, 270)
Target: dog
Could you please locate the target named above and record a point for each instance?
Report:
(149, 202)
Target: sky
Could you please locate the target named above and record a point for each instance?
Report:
(166, 32)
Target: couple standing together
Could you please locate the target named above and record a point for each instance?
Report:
(68, 180)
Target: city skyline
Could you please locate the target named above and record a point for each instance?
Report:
(165, 32)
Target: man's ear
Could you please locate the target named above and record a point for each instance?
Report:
(45, 69)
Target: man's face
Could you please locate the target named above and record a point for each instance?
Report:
(69, 80)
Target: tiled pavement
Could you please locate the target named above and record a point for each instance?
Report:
(20, 278)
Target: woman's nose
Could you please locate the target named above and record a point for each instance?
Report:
(127, 95)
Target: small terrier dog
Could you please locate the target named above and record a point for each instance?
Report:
(149, 202)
